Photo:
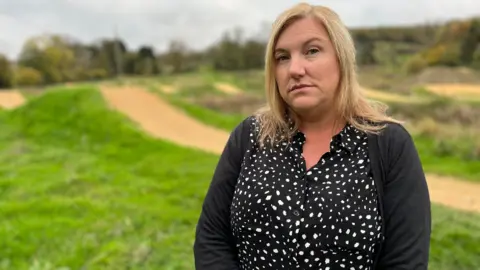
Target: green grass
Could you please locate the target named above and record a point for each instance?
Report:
(207, 116)
(447, 158)
(82, 188)
(455, 241)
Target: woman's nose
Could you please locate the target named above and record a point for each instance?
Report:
(297, 67)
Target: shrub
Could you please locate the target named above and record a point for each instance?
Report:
(96, 74)
(428, 127)
(415, 65)
(27, 76)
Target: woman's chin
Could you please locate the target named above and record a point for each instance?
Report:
(303, 104)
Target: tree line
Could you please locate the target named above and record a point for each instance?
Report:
(51, 59)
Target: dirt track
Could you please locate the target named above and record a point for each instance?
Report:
(162, 120)
(11, 99)
(384, 96)
(453, 90)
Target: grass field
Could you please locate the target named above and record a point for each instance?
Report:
(82, 188)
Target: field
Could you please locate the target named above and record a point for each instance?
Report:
(109, 175)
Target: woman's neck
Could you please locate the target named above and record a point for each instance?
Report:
(330, 123)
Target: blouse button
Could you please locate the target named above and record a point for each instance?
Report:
(296, 213)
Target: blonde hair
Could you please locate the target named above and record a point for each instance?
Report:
(350, 101)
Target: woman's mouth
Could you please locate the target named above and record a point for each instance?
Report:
(298, 87)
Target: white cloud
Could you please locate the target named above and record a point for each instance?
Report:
(199, 23)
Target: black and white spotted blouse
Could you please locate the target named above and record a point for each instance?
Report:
(285, 217)
(264, 210)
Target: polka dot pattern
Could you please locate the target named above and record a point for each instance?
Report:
(285, 217)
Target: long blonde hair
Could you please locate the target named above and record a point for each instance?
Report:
(352, 105)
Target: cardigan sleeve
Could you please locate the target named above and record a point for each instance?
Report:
(407, 209)
(214, 246)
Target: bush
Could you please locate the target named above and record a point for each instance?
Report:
(415, 65)
(27, 76)
(96, 74)
(428, 127)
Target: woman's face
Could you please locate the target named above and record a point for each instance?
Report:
(306, 67)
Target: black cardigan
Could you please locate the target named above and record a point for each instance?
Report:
(402, 191)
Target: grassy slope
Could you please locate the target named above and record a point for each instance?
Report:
(209, 117)
(82, 188)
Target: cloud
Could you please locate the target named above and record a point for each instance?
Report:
(199, 23)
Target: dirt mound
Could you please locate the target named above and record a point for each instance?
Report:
(10, 99)
(161, 120)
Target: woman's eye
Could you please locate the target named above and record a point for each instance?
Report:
(281, 58)
(313, 51)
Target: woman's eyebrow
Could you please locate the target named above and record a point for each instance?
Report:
(319, 39)
(310, 40)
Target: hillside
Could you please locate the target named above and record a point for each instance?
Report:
(83, 188)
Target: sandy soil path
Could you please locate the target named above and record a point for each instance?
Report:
(11, 99)
(455, 90)
(227, 88)
(164, 121)
(161, 120)
(389, 97)
(454, 193)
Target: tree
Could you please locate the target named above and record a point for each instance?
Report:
(469, 44)
(228, 53)
(145, 63)
(50, 55)
(6, 72)
(254, 54)
(365, 49)
(175, 59)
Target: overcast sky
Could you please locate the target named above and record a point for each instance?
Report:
(198, 22)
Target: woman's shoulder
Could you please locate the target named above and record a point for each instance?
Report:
(394, 132)
(245, 126)
(243, 132)
(394, 140)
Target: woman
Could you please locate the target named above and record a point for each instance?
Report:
(320, 178)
